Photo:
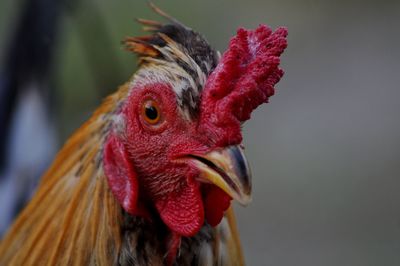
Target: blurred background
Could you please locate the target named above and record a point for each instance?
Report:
(325, 152)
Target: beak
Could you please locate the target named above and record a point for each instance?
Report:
(228, 169)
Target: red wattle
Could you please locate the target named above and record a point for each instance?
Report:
(183, 211)
(216, 202)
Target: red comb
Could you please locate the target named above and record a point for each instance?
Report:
(245, 76)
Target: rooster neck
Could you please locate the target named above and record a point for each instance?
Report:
(145, 242)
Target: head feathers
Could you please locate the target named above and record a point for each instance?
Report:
(175, 54)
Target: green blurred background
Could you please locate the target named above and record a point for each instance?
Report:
(324, 152)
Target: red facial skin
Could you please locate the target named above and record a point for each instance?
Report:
(161, 173)
(146, 163)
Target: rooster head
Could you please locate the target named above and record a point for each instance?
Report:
(174, 148)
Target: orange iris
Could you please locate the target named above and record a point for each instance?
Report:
(151, 112)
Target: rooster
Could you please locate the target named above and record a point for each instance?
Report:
(149, 178)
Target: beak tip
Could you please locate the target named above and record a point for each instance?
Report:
(245, 200)
(228, 169)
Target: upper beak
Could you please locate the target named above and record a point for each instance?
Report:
(228, 169)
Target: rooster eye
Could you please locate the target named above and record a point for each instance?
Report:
(151, 112)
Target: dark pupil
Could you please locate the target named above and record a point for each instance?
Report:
(151, 112)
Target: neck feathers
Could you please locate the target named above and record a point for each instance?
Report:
(73, 218)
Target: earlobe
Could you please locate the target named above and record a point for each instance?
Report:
(120, 174)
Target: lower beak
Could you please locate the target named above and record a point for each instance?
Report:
(228, 169)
